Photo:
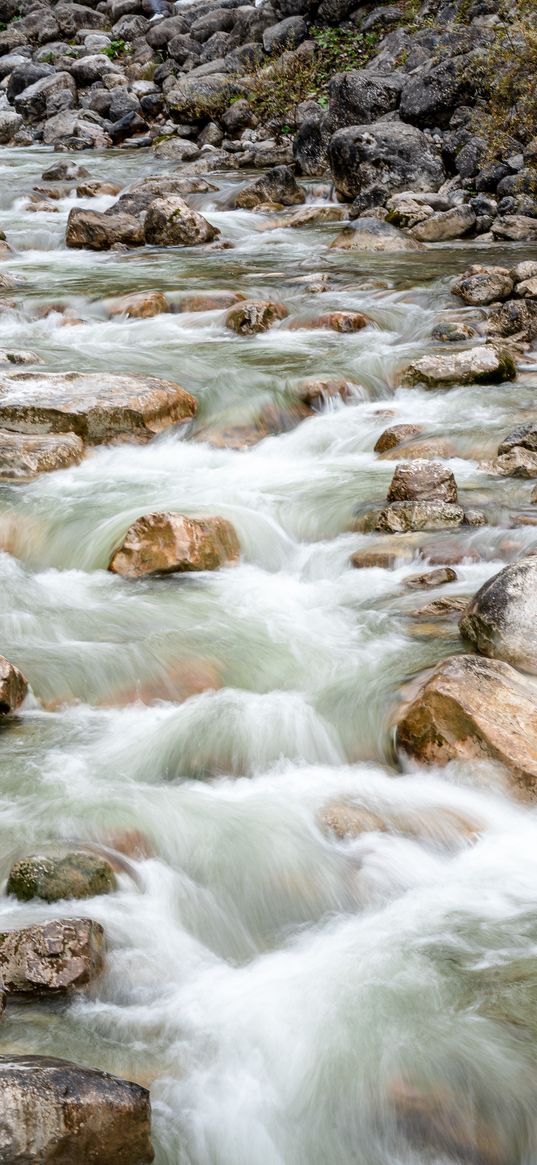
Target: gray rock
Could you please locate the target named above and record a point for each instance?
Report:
(286, 35)
(500, 620)
(430, 98)
(199, 97)
(370, 163)
(170, 222)
(516, 319)
(481, 365)
(87, 70)
(25, 75)
(403, 517)
(444, 225)
(9, 124)
(371, 234)
(31, 104)
(277, 185)
(310, 145)
(163, 31)
(79, 124)
(517, 463)
(524, 436)
(516, 227)
(422, 481)
(359, 97)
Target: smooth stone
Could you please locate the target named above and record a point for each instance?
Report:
(371, 234)
(500, 620)
(169, 543)
(23, 456)
(254, 316)
(430, 579)
(13, 687)
(396, 435)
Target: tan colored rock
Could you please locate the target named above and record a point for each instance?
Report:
(57, 1113)
(480, 286)
(172, 542)
(430, 579)
(445, 225)
(98, 407)
(438, 824)
(100, 231)
(472, 708)
(364, 559)
(482, 365)
(402, 517)
(527, 288)
(334, 321)
(23, 456)
(51, 958)
(138, 305)
(95, 189)
(395, 435)
(448, 1125)
(518, 462)
(316, 391)
(213, 301)
(370, 235)
(309, 216)
(424, 449)
(422, 481)
(19, 356)
(269, 422)
(277, 185)
(448, 607)
(171, 222)
(13, 687)
(254, 316)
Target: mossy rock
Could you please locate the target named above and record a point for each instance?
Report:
(74, 875)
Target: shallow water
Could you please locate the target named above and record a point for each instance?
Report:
(279, 990)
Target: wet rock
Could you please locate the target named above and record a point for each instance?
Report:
(167, 543)
(269, 422)
(515, 227)
(474, 518)
(51, 958)
(401, 517)
(482, 365)
(23, 457)
(524, 436)
(13, 687)
(73, 875)
(99, 408)
(422, 481)
(53, 1110)
(517, 463)
(480, 286)
(310, 216)
(515, 320)
(450, 333)
(139, 305)
(472, 708)
(500, 619)
(213, 301)
(396, 435)
(448, 607)
(318, 391)
(365, 559)
(64, 172)
(438, 824)
(370, 234)
(254, 316)
(99, 231)
(170, 222)
(372, 162)
(277, 185)
(424, 449)
(96, 189)
(447, 224)
(334, 321)
(434, 1119)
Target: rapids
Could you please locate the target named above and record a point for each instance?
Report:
(277, 989)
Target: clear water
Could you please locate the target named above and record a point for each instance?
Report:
(278, 990)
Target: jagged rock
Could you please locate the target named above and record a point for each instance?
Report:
(401, 517)
(56, 1111)
(517, 463)
(31, 104)
(23, 456)
(99, 231)
(480, 286)
(167, 543)
(13, 687)
(78, 128)
(483, 365)
(73, 875)
(500, 619)
(515, 227)
(516, 319)
(370, 234)
(64, 172)
(360, 97)
(431, 97)
(254, 316)
(97, 407)
(51, 958)
(10, 122)
(372, 162)
(194, 98)
(446, 224)
(448, 607)
(96, 189)
(429, 579)
(422, 481)
(470, 709)
(170, 222)
(287, 34)
(138, 305)
(524, 436)
(93, 68)
(277, 185)
(396, 435)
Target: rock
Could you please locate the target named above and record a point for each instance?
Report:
(10, 122)
(254, 316)
(87, 70)
(430, 579)
(310, 145)
(334, 321)
(365, 559)
(438, 825)
(167, 543)
(447, 224)
(372, 162)
(139, 305)
(370, 234)
(524, 436)
(99, 231)
(433, 1119)
(525, 270)
(517, 463)
(13, 687)
(449, 333)
(51, 958)
(276, 185)
(500, 619)
(194, 98)
(64, 172)
(515, 227)
(99, 408)
(287, 34)
(474, 518)
(360, 97)
(170, 222)
(483, 365)
(484, 285)
(527, 288)
(515, 320)
(213, 301)
(53, 1110)
(72, 875)
(96, 189)
(431, 97)
(23, 457)
(76, 129)
(396, 435)
(422, 481)
(448, 607)
(318, 391)
(309, 216)
(401, 517)
(177, 149)
(470, 709)
(425, 449)
(31, 104)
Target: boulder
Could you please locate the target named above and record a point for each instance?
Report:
(13, 687)
(195, 98)
(23, 457)
(169, 543)
(308, 216)
(56, 1111)
(254, 316)
(77, 874)
(372, 162)
(76, 128)
(287, 34)
(527, 288)
(472, 709)
(138, 305)
(64, 172)
(482, 365)
(444, 225)
(396, 435)
(524, 437)
(365, 559)
(171, 222)
(51, 958)
(422, 481)
(317, 391)
(99, 231)
(500, 619)
(402, 517)
(277, 185)
(10, 122)
(430, 579)
(517, 463)
(371, 234)
(86, 70)
(310, 145)
(516, 320)
(31, 104)
(430, 97)
(360, 97)
(99, 408)
(480, 286)
(515, 227)
(448, 607)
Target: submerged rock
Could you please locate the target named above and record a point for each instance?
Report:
(422, 481)
(171, 222)
(74, 875)
(51, 958)
(23, 456)
(13, 687)
(448, 607)
(501, 618)
(171, 542)
(430, 579)
(334, 321)
(254, 316)
(483, 365)
(56, 1111)
(139, 305)
(371, 234)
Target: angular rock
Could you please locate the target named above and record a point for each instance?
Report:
(394, 436)
(169, 543)
(99, 231)
(78, 874)
(481, 286)
(370, 234)
(10, 122)
(422, 481)
(500, 619)
(517, 463)
(13, 687)
(448, 607)
(99, 408)
(527, 288)
(402, 517)
(277, 185)
(195, 98)
(170, 222)
(31, 104)
(515, 227)
(524, 436)
(51, 958)
(472, 708)
(360, 97)
(254, 316)
(482, 365)
(446, 224)
(372, 162)
(431, 97)
(430, 579)
(516, 320)
(56, 1111)
(23, 457)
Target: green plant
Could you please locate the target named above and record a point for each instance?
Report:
(3, 26)
(505, 82)
(116, 48)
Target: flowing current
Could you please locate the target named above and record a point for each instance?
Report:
(284, 994)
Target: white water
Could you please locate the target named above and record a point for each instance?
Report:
(276, 988)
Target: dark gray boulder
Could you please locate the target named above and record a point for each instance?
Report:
(430, 98)
(500, 620)
(370, 163)
(359, 97)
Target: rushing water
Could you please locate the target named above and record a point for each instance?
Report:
(279, 990)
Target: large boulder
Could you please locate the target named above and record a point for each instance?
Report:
(23, 456)
(99, 231)
(10, 122)
(369, 163)
(523, 437)
(77, 874)
(169, 543)
(31, 104)
(371, 234)
(422, 481)
(195, 98)
(57, 1112)
(79, 127)
(483, 365)
(99, 408)
(430, 98)
(13, 687)
(171, 222)
(445, 225)
(472, 709)
(359, 97)
(500, 620)
(516, 319)
(51, 958)
(276, 185)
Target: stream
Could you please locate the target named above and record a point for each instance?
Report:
(277, 988)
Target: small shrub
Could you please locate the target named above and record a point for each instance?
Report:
(116, 48)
